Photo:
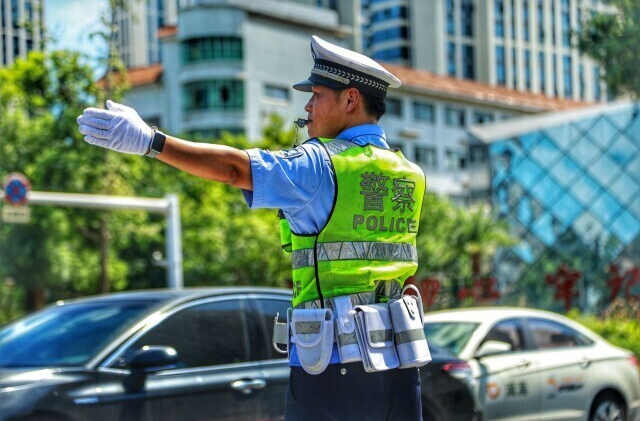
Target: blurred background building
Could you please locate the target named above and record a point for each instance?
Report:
(21, 28)
(568, 184)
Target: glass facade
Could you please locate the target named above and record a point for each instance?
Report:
(212, 49)
(499, 16)
(570, 194)
(217, 95)
(501, 77)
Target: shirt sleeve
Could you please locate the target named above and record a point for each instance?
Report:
(287, 179)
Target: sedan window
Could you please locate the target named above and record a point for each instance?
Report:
(550, 334)
(450, 335)
(203, 335)
(508, 331)
(66, 335)
(267, 309)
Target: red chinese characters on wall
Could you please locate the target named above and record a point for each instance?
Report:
(564, 280)
(626, 284)
(482, 290)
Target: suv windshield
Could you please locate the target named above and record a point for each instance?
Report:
(66, 335)
(450, 335)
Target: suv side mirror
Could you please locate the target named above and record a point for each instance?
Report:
(154, 358)
(492, 348)
(149, 359)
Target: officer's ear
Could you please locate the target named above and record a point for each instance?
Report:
(352, 98)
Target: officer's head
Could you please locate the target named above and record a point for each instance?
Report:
(348, 89)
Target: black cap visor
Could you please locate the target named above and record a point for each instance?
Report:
(317, 80)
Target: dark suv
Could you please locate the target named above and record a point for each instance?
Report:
(193, 354)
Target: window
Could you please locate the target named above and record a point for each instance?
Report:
(499, 12)
(276, 92)
(467, 11)
(394, 107)
(549, 334)
(527, 69)
(581, 81)
(501, 77)
(542, 72)
(454, 160)
(509, 331)
(223, 94)
(212, 49)
(525, 20)
(481, 117)
(514, 67)
(426, 156)
(451, 58)
(597, 92)
(513, 19)
(205, 335)
(553, 22)
(541, 21)
(450, 18)
(566, 23)
(556, 92)
(423, 111)
(266, 309)
(468, 62)
(568, 89)
(454, 117)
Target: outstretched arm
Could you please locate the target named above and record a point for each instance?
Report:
(121, 129)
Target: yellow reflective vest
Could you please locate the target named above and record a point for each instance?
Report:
(370, 235)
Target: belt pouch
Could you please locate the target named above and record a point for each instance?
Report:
(375, 337)
(346, 336)
(408, 330)
(281, 334)
(312, 332)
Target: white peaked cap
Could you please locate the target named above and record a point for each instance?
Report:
(338, 68)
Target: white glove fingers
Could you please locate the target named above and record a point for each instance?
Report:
(99, 113)
(114, 106)
(95, 122)
(95, 132)
(95, 141)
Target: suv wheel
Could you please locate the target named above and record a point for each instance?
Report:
(608, 407)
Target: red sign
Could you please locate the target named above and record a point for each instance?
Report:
(564, 281)
(625, 282)
(483, 289)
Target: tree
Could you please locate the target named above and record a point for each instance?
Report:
(612, 39)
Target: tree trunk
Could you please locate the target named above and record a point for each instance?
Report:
(34, 298)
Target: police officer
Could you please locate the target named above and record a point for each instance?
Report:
(352, 206)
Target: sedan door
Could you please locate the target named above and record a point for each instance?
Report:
(565, 368)
(507, 381)
(217, 376)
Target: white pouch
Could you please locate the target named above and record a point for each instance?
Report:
(375, 337)
(346, 336)
(312, 332)
(281, 334)
(408, 327)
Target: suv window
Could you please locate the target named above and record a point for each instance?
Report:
(266, 312)
(203, 335)
(550, 334)
(509, 331)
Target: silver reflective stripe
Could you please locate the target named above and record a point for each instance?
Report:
(349, 250)
(338, 146)
(305, 328)
(345, 339)
(302, 258)
(384, 335)
(409, 336)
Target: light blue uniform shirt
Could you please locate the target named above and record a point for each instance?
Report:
(301, 182)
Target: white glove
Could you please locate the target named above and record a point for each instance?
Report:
(118, 127)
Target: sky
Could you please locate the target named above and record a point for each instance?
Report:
(70, 22)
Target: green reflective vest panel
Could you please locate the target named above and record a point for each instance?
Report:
(371, 232)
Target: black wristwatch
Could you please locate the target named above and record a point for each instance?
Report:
(157, 143)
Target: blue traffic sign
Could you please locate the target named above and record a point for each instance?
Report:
(16, 186)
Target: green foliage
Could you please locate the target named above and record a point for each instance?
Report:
(620, 324)
(612, 39)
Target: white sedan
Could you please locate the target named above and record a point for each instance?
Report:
(536, 365)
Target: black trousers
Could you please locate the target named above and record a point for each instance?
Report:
(345, 392)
